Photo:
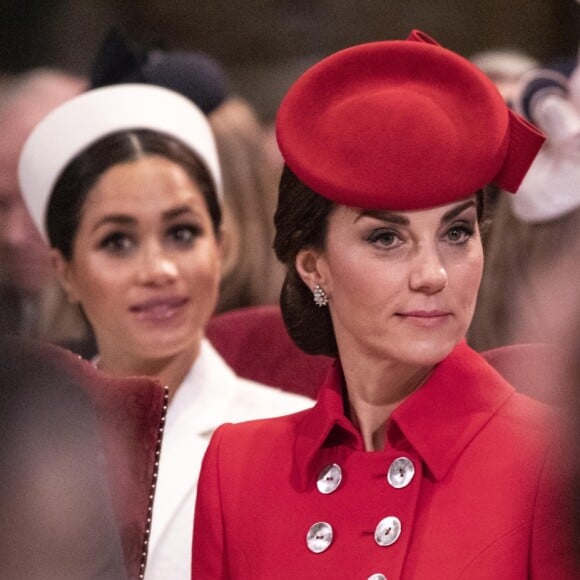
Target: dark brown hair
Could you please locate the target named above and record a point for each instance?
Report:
(301, 221)
(69, 195)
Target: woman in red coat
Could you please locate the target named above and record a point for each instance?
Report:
(418, 460)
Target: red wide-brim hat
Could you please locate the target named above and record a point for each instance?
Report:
(402, 125)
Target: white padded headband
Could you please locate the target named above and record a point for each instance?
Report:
(83, 120)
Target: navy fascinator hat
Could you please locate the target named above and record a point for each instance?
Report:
(195, 75)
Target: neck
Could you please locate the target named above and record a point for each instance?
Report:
(169, 371)
(374, 392)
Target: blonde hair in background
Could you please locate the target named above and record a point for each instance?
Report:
(251, 273)
(516, 303)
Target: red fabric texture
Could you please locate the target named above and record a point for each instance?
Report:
(255, 343)
(130, 412)
(533, 369)
(482, 503)
(401, 125)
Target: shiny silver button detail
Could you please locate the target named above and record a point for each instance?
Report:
(377, 577)
(401, 473)
(388, 531)
(329, 478)
(319, 537)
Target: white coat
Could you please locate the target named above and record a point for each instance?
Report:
(211, 394)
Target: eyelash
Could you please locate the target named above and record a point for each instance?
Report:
(119, 243)
(374, 238)
(194, 231)
(112, 242)
(466, 230)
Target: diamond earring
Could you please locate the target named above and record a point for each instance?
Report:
(320, 296)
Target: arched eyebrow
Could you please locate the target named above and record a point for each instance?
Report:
(120, 219)
(176, 212)
(386, 216)
(397, 218)
(455, 211)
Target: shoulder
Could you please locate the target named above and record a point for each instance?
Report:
(528, 431)
(530, 415)
(258, 437)
(516, 412)
(266, 401)
(249, 399)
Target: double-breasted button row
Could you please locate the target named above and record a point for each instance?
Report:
(399, 475)
(320, 534)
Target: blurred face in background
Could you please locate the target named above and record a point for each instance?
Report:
(24, 257)
(146, 261)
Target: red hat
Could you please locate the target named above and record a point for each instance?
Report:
(402, 125)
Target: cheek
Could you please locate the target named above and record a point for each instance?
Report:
(203, 270)
(363, 281)
(469, 278)
(96, 283)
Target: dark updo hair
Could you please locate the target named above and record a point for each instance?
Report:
(70, 192)
(301, 221)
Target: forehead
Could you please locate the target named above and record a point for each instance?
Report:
(152, 183)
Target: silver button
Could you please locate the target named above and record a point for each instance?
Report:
(319, 537)
(377, 577)
(329, 478)
(388, 531)
(401, 472)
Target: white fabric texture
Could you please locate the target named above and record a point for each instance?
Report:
(210, 395)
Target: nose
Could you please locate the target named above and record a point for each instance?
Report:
(428, 273)
(156, 268)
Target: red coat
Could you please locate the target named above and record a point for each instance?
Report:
(481, 505)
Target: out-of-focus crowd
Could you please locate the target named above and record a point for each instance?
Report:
(114, 230)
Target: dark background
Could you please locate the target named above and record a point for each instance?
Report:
(265, 44)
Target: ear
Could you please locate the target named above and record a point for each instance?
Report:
(309, 265)
(64, 275)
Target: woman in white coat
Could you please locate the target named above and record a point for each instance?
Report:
(124, 183)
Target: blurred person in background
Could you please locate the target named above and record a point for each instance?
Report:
(31, 301)
(124, 182)
(505, 67)
(534, 232)
(55, 500)
(251, 275)
(78, 457)
(531, 278)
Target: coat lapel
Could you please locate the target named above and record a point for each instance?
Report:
(198, 407)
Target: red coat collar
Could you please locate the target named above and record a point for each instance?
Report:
(438, 421)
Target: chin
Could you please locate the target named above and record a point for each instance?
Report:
(430, 352)
(162, 347)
